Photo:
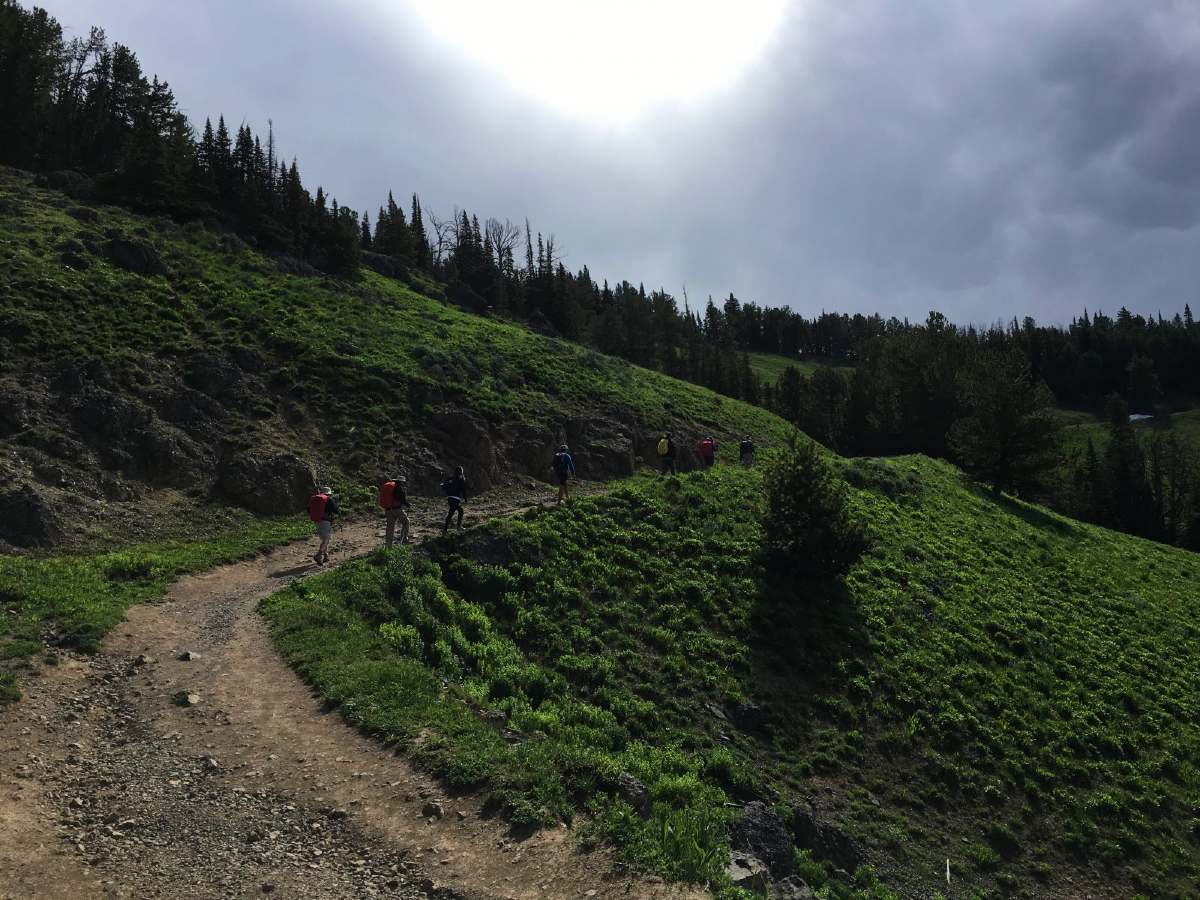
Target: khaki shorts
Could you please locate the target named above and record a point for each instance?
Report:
(324, 530)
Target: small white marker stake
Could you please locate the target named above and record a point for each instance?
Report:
(947, 871)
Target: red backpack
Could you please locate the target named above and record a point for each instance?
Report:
(707, 448)
(387, 493)
(316, 506)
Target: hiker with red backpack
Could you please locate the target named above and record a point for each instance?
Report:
(455, 489)
(708, 452)
(322, 507)
(392, 500)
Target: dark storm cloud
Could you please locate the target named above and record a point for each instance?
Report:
(988, 160)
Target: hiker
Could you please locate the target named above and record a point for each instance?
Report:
(392, 500)
(708, 452)
(747, 452)
(455, 489)
(666, 454)
(322, 507)
(564, 471)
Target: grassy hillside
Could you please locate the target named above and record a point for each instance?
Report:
(355, 368)
(770, 366)
(993, 684)
(1079, 427)
(123, 393)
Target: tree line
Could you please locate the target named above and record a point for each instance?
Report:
(980, 396)
(976, 397)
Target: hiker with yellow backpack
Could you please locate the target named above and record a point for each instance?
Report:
(392, 500)
(666, 454)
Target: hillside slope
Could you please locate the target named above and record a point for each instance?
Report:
(143, 361)
(994, 685)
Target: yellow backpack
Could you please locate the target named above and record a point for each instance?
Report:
(664, 447)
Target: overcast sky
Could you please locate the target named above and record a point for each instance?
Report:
(988, 160)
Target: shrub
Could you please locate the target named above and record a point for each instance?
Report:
(808, 530)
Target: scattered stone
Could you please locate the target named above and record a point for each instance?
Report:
(188, 656)
(143, 660)
(185, 698)
(268, 887)
(461, 815)
(212, 764)
(433, 810)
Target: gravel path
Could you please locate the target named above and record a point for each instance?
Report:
(187, 760)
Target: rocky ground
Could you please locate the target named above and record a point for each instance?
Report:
(186, 760)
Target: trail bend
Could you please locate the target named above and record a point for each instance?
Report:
(110, 788)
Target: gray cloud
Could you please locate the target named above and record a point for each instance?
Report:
(1029, 158)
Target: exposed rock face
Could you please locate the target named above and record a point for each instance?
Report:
(269, 485)
(602, 447)
(530, 450)
(128, 436)
(761, 831)
(139, 257)
(826, 841)
(466, 441)
(27, 520)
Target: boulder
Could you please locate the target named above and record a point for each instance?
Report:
(84, 214)
(27, 519)
(762, 833)
(825, 841)
(268, 485)
(748, 873)
(634, 793)
(792, 888)
(139, 257)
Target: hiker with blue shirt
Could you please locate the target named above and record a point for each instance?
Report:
(564, 471)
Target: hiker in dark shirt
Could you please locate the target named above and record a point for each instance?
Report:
(564, 471)
(747, 452)
(455, 489)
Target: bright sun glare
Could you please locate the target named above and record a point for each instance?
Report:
(608, 59)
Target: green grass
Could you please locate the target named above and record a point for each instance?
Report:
(338, 354)
(74, 600)
(1078, 427)
(770, 366)
(990, 672)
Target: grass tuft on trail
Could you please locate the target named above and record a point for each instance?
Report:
(993, 683)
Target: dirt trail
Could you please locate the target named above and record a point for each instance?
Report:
(110, 788)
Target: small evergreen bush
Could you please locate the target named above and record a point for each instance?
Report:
(808, 530)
